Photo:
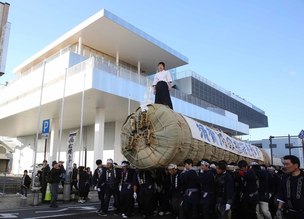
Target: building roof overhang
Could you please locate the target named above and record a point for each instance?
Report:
(110, 34)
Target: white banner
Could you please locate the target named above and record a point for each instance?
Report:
(69, 160)
(223, 141)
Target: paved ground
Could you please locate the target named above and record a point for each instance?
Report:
(11, 206)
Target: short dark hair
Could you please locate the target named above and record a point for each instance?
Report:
(242, 163)
(293, 159)
(222, 165)
(162, 63)
(188, 161)
(98, 162)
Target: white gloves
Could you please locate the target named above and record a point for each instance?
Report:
(95, 188)
(135, 195)
(228, 206)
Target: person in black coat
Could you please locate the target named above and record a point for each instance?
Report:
(112, 180)
(207, 180)
(274, 185)
(263, 191)
(25, 184)
(291, 192)
(176, 192)
(126, 200)
(191, 190)
(83, 179)
(88, 183)
(99, 184)
(74, 177)
(43, 183)
(54, 180)
(144, 187)
(223, 190)
(249, 191)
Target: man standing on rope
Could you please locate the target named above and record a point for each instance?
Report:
(291, 193)
(162, 85)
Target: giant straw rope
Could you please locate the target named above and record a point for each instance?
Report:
(160, 136)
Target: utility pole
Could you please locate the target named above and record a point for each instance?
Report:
(289, 146)
(270, 146)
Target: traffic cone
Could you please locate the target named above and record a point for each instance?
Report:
(47, 196)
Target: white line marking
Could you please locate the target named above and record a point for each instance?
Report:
(9, 215)
(51, 211)
(49, 216)
(83, 207)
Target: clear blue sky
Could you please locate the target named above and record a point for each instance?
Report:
(252, 48)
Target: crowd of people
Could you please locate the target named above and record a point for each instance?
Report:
(80, 180)
(209, 191)
(205, 190)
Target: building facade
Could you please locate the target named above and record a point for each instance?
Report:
(281, 146)
(89, 80)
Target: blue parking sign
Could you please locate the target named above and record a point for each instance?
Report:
(45, 128)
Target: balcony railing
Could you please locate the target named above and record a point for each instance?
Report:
(111, 67)
(104, 65)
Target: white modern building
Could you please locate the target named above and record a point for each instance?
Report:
(281, 146)
(90, 79)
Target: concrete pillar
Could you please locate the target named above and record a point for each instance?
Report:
(53, 140)
(138, 70)
(79, 46)
(118, 157)
(117, 62)
(99, 133)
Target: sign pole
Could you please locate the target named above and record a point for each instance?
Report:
(45, 145)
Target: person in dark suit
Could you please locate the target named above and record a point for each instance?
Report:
(74, 177)
(112, 176)
(44, 173)
(191, 191)
(83, 179)
(248, 191)
(99, 183)
(207, 180)
(176, 192)
(25, 184)
(224, 190)
(144, 187)
(126, 200)
(291, 192)
(54, 180)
